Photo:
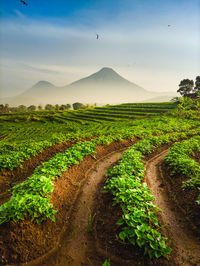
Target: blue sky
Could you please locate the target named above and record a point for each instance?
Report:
(56, 41)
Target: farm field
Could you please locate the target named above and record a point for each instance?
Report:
(113, 185)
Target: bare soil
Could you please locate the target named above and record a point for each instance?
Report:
(185, 244)
(183, 198)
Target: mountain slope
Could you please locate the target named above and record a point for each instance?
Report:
(105, 86)
(40, 88)
(106, 76)
(102, 87)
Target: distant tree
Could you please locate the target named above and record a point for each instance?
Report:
(49, 107)
(22, 108)
(6, 108)
(68, 106)
(40, 107)
(62, 107)
(1, 108)
(77, 106)
(14, 109)
(57, 107)
(185, 86)
(197, 84)
(31, 108)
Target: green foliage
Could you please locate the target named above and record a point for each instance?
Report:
(126, 184)
(139, 221)
(77, 106)
(106, 263)
(27, 138)
(31, 197)
(180, 162)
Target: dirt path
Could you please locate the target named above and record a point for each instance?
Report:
(186, 248)
(74, 248)
(78, 246)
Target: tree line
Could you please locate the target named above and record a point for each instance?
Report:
(5, 108)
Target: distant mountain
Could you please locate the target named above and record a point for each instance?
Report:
(104, 86)
(106, 76)
(40, 88)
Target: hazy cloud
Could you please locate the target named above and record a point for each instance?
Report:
(37, 69)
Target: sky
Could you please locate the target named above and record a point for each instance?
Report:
(153, 43)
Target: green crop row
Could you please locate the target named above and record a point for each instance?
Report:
(27, 139)
(126, 110)
(179, 162)
(130, 192)
(32, 197)
(116, 115)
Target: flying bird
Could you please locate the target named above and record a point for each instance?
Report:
(97, 36)
(169, 25)
(23, 2)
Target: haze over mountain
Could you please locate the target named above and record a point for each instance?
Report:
(104, 86)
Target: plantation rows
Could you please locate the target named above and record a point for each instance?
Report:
(32, 197)
(27, 139)
(98, 114)
(23, 138)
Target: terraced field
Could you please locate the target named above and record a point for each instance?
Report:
(88, 186)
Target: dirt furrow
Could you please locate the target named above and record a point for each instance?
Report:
(186, 247)
(74, 248)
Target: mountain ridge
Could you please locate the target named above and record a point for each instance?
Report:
(103, 86)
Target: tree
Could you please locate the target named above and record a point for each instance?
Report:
(57, 107)
(197, 84)
(68, 106)
(21, 108)
(31, 108)
(14, 109)
(77, 106)
(49, 107)
(40, 107)
(62, 107)
(185, 86)
(1, 108)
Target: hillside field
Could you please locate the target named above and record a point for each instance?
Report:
(112, 185)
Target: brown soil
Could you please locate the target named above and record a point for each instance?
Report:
(196, 157)
(74, 251)
(9, 178)
(185, 244)
(3, 137)
(26, 241)
(185, 199)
